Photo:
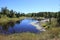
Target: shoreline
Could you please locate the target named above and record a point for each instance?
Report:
(38, 26)
(2, 20)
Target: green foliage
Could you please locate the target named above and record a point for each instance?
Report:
(17, 15)
(9, 13)
(29, 15)
(22, 14)
(5, 11)
(58, 17)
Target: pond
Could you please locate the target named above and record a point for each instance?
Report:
(19, 27)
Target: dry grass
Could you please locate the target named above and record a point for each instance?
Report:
(48, 35)
(53, 33)
(6, 19)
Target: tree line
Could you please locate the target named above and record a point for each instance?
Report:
(12, 14)
(47, 15)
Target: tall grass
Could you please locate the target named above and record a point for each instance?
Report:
(53, 33)
(6, 19)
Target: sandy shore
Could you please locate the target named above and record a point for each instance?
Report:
(38, 26)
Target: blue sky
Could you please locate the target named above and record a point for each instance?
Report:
(27, 6)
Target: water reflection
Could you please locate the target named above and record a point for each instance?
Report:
(18, 27)
(6, 26)
(18, 22)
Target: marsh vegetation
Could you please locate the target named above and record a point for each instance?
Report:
(10, 17)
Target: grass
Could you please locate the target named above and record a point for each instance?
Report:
(6, 19)
(53, 33)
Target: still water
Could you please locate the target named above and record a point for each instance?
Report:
(19, 27)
